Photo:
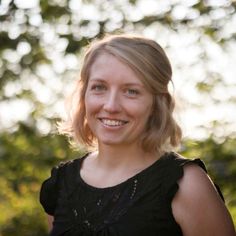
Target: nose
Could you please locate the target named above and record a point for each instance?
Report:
(112, 103)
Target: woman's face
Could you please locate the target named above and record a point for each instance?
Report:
(117, 103)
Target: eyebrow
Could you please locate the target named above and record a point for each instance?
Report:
(125, 84)
(96, 79)
(134, 84)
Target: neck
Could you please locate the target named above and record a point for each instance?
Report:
(123, 157)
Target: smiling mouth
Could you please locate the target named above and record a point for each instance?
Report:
(113, 123)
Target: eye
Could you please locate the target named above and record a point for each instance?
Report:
(132, 92)
(98, 87)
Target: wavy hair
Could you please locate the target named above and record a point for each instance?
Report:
(150, 63)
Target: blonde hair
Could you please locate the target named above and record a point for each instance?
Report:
(149, 61)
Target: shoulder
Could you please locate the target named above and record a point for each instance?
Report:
(67, 171)
(195, 185)
(174, 166)
(63, 174)
(197, 203)
(70, 167)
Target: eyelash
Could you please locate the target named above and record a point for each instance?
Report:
(132, 92)
(98, 87)
(101, 87)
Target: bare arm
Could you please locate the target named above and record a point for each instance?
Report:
(50, 221)
(197, 207)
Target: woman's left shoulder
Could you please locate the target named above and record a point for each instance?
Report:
(181, 161)
(174, 172)
(195, 171)
(197, 206)
(195, 183)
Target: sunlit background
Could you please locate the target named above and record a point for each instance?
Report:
(204, 68)
(41, 46)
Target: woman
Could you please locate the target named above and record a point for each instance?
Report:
(133, 184)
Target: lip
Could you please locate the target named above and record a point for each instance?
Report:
(112, 123)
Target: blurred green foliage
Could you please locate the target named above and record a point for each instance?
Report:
(32, 38)
(26, 158)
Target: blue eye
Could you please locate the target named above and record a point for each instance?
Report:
(132, 92)
(98, 87)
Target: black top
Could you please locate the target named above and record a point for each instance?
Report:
(140, 205)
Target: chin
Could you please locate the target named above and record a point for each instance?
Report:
(110, 142)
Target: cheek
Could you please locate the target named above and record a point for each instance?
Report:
(146, 114)
(92, 105)
(145, 108)
(142, 113)
(88, 105)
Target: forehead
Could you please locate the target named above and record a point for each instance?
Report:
(107, 66)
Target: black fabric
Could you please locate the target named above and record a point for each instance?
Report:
(139, 206)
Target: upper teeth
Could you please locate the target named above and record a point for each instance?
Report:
(112, 122)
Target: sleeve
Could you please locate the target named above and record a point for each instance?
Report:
(49, 191)
(177, 172)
